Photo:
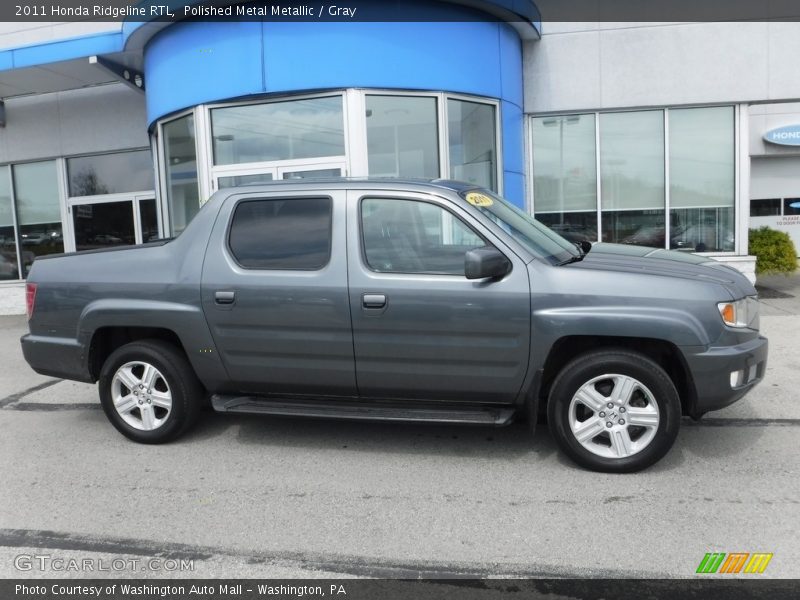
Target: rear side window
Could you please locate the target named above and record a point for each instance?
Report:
(285, 233)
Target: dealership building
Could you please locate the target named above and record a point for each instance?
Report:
(676, 135)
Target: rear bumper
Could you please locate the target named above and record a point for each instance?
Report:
(56, 357)
(711, 371)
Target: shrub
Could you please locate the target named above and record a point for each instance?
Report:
(774, 251)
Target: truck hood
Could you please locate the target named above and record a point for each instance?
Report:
(627, 258)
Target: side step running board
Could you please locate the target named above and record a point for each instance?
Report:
(362, 411)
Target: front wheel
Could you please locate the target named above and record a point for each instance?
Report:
(614, 411)
(149, 391)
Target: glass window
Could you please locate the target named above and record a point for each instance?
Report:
(312, 174)
(148, 219)
(632, 177)
(765, 208)
(565, 175)
(282, 234)
(183, 197)
(278, 131)
(110, 173)
(473, 142)
(402, 136)
(8, 243)
(701, 177)
(237, 180)
(103, 225)
(791, 206)
(38, 210)
(407, 236)
(526, 230)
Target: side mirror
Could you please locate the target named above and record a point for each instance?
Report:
(480, 263)
(584, 245)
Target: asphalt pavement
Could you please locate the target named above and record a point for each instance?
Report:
(268, 497)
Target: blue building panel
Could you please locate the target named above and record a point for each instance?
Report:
(510, 65)
(194, 63)
(514, 187)
(456, 57)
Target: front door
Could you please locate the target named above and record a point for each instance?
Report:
(274, 292)
(421, 329)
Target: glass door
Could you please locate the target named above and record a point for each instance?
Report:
(103, 224)
(147, 229)
(116, 221)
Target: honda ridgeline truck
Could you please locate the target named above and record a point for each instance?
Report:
(398, 300)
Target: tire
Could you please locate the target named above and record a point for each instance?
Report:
(155, 414)
(644, 417)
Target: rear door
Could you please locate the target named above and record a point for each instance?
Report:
(421, 329)
(274, 292)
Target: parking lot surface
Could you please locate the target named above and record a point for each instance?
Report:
(268, 497)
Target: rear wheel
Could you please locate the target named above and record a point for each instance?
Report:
(149, 391)
(614, 411)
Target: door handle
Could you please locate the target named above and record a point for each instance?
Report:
(224, 297)
(373, 300)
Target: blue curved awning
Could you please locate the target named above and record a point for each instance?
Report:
(58, 65)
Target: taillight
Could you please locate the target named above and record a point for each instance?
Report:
(30, 298)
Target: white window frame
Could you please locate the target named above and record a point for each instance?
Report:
(68, 225)
(354, 162)
(276, 167)
(164, 209)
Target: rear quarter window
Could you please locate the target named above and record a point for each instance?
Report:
(282, 233)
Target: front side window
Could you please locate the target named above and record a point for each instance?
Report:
(284, 234)
(409, 236)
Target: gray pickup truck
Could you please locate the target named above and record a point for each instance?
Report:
(398, 300)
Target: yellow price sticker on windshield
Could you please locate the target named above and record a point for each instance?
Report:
(479, 200)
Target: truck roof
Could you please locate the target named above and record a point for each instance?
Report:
(355, 182)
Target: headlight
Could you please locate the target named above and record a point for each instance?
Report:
(742, 313)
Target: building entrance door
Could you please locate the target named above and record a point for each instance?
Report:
(107, 221)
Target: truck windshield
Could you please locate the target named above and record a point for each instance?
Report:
(536, 237)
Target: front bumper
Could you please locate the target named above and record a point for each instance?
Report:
(711, 373)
